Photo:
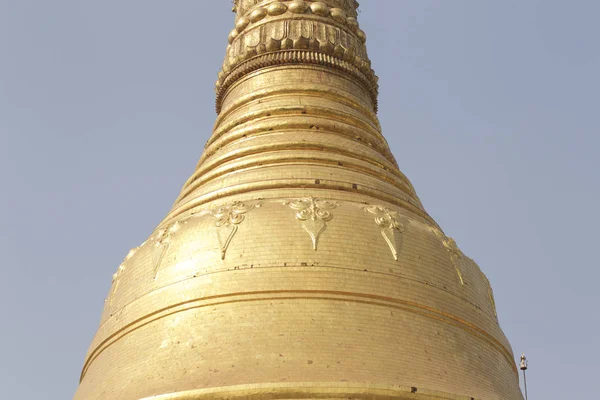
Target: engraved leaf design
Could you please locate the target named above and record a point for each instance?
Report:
(162, 242)
(455, 257)
(314, 213)
(391, 227)
(227, 220)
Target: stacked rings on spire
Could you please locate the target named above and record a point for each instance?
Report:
(243, 7)
(318, 8)
(328, 34)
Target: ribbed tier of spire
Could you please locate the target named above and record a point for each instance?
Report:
(314, 129)
(269, 33)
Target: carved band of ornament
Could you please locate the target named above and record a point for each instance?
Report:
(369, 81)
(297, 34)
(318, 8)
(323, 8)
(226, 220)
(242, 6)
(346, 45)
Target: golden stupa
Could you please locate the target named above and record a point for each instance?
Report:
(298, 261)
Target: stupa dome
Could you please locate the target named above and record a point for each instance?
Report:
(298, 261)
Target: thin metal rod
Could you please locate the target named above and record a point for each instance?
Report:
(525, 382)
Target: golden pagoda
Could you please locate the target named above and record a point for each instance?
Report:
(298, 261)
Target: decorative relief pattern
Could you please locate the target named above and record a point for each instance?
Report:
(491, 295)
(242, 7)
(297, 57)
(314, 214)
(162, 242)
(318, 8)
(456, 257)
(296, 34)
(116, 279)
(341, 38)
(392, 228)
(228, 218)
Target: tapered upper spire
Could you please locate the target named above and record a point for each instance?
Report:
(298, 261)
(270, 33)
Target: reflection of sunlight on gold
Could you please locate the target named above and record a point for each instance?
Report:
(175, 322)
(458, 271)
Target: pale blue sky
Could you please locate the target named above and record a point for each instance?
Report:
(491, 108)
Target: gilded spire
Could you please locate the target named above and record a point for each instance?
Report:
(304, 66)
(298, 261)
(269, 33)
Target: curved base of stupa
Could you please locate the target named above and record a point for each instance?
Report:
(323, 391)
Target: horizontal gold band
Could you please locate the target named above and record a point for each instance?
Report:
(304, 390)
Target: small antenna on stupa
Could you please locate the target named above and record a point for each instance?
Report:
(523, 366)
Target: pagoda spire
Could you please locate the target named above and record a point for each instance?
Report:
(303, 66)
(298, 261)
(297, 32)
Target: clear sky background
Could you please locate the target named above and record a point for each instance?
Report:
(491, 108)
